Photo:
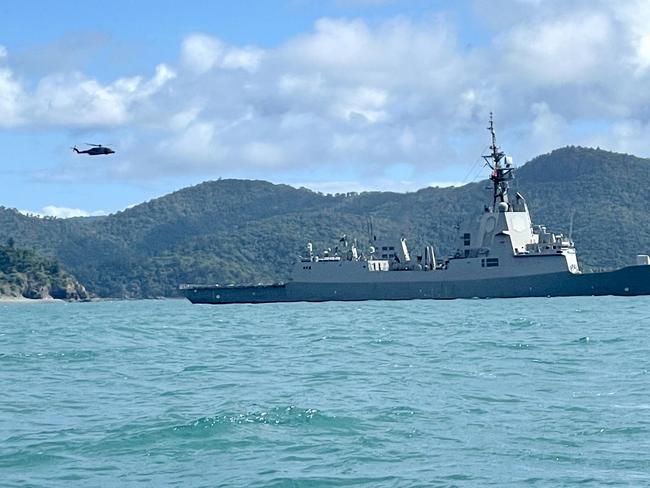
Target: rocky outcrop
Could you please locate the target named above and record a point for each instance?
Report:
(23, 273)
(70, 291)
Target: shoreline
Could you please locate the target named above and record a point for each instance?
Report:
(7, 299)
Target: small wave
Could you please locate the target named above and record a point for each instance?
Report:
(491, 399)
(332, 481)
(68, 356)
(290, 415)
(196, 367)
(396, 414)
(591, 341)
(29, 458)
(150, 433)
(523, 323)
(616, 431)
(505, 345)
(640, 406)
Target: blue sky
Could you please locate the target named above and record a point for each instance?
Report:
(335, 95)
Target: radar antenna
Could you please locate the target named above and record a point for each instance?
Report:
(502, 169)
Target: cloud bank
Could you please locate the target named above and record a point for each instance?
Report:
(63, 212)
(354, 101)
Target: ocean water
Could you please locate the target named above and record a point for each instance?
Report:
(521, 392)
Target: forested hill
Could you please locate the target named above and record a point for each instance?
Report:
(251, 231)
(23, 273)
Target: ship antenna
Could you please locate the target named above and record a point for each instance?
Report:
(496, 157)
(501, 173)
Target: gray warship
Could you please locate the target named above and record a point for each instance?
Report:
(503, 255)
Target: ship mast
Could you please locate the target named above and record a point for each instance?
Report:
(502, 170)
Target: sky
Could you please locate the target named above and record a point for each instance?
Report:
(333, 95)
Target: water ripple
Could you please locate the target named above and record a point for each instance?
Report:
(526, 392)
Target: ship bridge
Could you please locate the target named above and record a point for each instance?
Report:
(505, 229)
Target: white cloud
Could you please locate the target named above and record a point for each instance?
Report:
(12, 98)
(340, 88)
(78, 101)
(264, 153)
(347, 186)
(559, 51)
(63, 212)
(202, 53)
(184, 118)
(291, 84)
(362, 101)
(247, 58)
(352, 99)
(195, 143)
(547, 129)
(163, 75)
(633, 19)
(73, 100)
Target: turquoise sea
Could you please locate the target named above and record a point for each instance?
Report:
(521, 392)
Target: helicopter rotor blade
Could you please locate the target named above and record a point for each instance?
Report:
(94, 145)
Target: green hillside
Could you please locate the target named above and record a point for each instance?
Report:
(23, 273)
(251, 231)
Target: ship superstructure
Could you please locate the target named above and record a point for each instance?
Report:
(503, 243)
(501, 255)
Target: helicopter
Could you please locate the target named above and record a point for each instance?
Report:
(95, 150)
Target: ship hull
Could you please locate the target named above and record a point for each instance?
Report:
(629, 281)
